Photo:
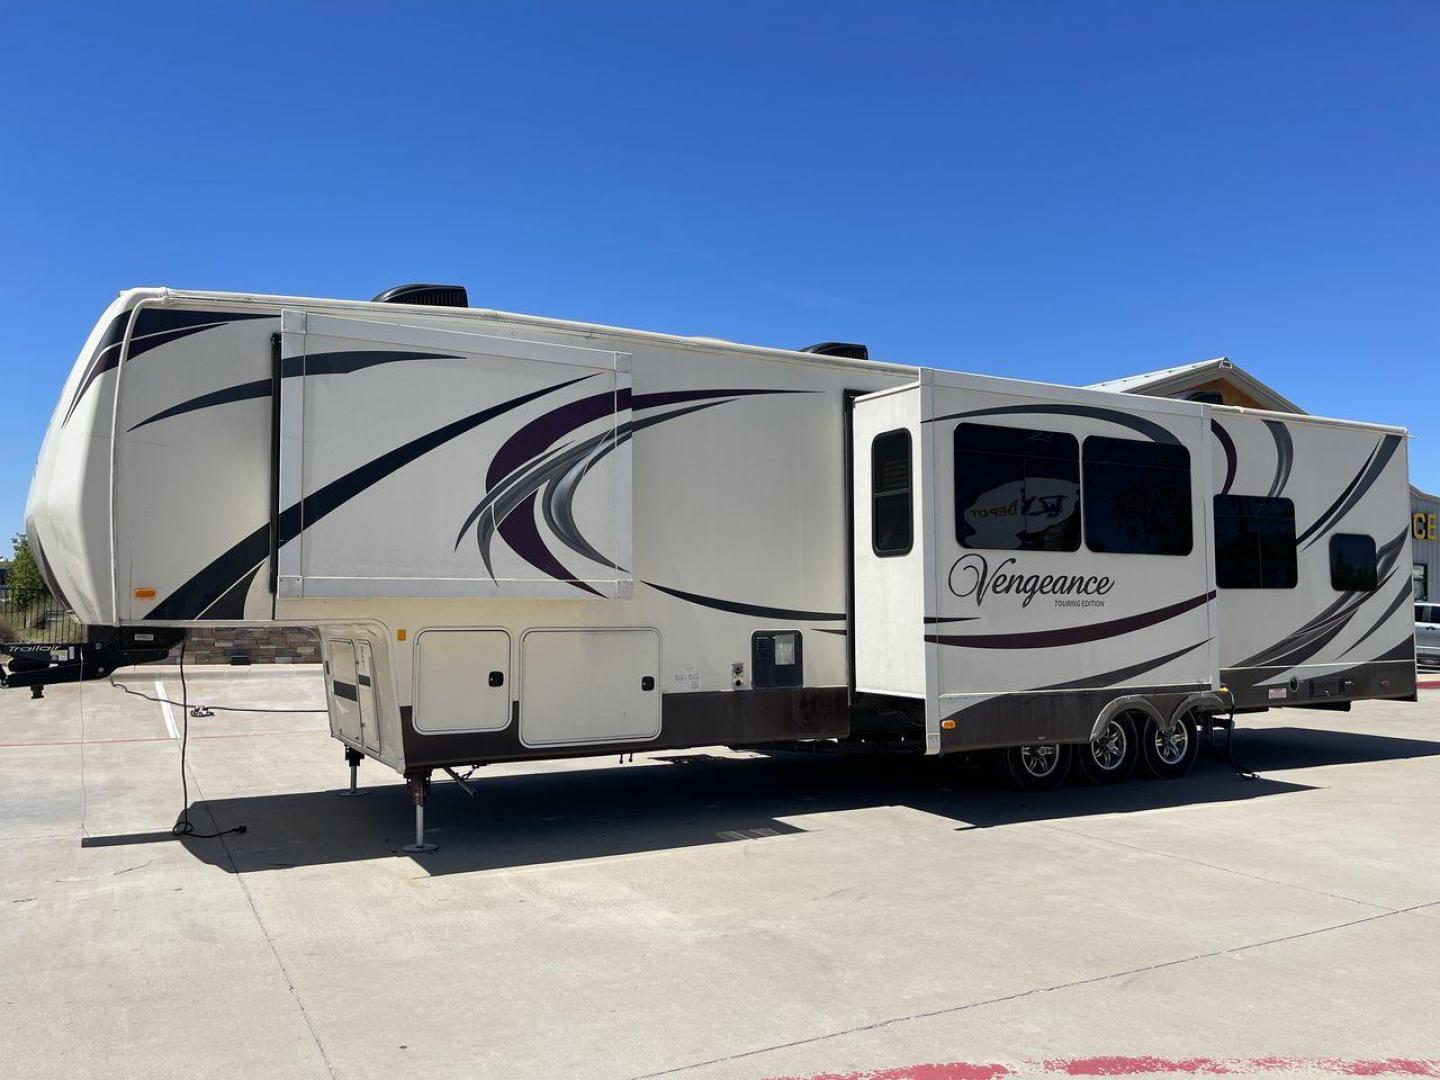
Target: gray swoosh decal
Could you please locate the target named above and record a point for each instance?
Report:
(1284, 456)
(1354, 491)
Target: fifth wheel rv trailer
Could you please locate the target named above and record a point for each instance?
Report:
(529, 538)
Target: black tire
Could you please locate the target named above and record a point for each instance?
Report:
(1169, 757)
(1038, 767)
(1111, 757)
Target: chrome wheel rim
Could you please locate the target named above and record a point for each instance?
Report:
(1108, 750)
(1171, 747)
(1040, 759)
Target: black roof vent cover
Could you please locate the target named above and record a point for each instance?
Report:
(848, 349)
(428, 295)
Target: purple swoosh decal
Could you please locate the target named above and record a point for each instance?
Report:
(526, 462)
(1071, 635)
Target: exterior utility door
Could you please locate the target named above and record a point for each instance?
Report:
(589, 686)
(424, 462)
(352, 689)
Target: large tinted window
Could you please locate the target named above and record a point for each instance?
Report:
(890, 499)
(1137, 497)
(1016, 489)
(1352, 563)
(1254, 542)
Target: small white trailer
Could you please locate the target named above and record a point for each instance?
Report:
(526, 538)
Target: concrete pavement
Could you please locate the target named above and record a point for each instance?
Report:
(703, 914)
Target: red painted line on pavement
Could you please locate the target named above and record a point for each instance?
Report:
(1428, 684)
(1139, 1065)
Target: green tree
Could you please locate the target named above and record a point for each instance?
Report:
(27, 587)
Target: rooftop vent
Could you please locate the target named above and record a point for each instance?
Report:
(848, 349)
(427, 295)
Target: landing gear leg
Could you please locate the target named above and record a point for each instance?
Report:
(419, 785)
(353, 759)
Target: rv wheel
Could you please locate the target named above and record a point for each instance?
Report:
(1038, 766)
(1110, 757)
(1169, 756)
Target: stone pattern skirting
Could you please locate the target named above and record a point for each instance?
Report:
(268, 645)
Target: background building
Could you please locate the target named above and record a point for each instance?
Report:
(1220, 382)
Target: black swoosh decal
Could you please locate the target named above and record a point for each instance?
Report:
(1096, 682)
(107, 356)
(1407, 591)
(293, 367)
(216, 579)
(1071, 635)
(1228, 445)
(1151, 430)
(260, 388)
(736, 607)
(153, 327)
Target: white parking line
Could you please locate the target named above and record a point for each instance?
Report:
(165, 708)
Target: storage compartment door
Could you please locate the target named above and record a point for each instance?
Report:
(589, 686)
(417, 462)
(344, 690)
(462, 681)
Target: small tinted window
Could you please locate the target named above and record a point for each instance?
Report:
(890, 500)
(1254, 542)
(1352, 563)
(1137, 497)
(1016, 489)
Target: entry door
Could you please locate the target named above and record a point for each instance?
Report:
(890, 541)
(345, 690)
(589, 686)
(365, 692)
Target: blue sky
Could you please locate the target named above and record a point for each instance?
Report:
(1062, 191)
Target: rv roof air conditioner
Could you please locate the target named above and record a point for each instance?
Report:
(848, 349)
(425, 295)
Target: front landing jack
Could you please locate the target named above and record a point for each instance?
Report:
(353, 758)
(419, 785)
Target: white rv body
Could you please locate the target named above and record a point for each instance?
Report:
(522, 537)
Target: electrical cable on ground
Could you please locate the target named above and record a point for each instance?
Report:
(1241, 771)
(183, 827)
(213, 709)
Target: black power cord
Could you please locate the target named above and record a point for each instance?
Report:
(1241, 771)
(206, 710)
(184, 827)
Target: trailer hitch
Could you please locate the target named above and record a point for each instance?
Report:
(107, 648)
